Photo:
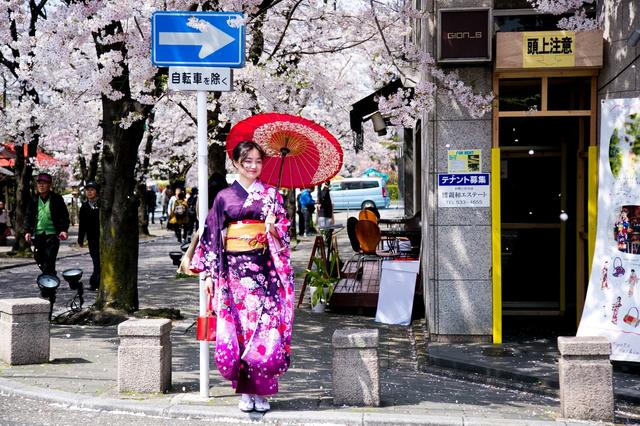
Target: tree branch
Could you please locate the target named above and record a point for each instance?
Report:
(284, 31)
(384, 40)
(330, 50)
(186, 111)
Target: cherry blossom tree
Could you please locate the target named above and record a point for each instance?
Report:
(22, 116)
(106, 109)
(579, 21)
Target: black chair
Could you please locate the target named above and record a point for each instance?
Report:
(351, 232)
(347, 271)
(362, 232)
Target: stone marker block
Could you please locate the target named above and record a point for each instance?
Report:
(144, 355)
(586, 378)
(24, 331)
(356, 375)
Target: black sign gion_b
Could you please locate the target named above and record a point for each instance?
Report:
(464, 35)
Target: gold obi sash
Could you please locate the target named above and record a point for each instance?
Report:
(246, 235)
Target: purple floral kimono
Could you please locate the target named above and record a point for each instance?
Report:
(254, 293)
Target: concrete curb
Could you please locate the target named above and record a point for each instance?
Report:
(231, 415)
(522, 382)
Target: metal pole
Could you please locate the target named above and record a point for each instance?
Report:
(203, 207)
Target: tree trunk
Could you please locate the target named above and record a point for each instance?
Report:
(119, 211)
(119, 204)
(143, 219)
(23, 172)
(144, 173)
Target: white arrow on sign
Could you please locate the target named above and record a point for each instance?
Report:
(210, 38)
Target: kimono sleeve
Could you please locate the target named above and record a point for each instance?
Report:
(208, 252)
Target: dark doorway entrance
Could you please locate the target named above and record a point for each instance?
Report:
(541, 195)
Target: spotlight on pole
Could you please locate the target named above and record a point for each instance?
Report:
(48, 285)
(176, 256)
(72, 277)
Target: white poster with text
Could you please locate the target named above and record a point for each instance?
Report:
(612, 305)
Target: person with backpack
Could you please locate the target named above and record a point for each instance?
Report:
(179, 216)
(308, 206)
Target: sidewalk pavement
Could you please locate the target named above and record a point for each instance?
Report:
(83, 368)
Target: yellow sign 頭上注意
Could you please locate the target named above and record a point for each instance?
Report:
(548, 49)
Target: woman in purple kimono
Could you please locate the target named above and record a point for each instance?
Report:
(244, 250)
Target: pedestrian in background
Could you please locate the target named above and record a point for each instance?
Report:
(73, 206)
(46, 223)
(192, 211)
(249, 280)
(166, 195)
(89, 228)
(179, 217)
(325, 207)
(300, 215)
(308, 207)
(176, 192)
(4, 223)
(150, 200)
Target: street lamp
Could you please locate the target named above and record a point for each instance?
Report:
(379, 125)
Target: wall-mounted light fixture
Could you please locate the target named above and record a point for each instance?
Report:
(634, 38)
(379, 125)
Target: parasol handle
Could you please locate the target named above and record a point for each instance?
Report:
(283, 153)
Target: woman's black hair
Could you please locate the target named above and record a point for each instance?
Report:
(241, 150)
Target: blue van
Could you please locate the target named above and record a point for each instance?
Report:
(358, 193)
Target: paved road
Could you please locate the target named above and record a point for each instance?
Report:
(24, 411)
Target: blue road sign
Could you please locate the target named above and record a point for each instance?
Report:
(197, 39)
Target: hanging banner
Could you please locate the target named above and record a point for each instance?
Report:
(612, 306)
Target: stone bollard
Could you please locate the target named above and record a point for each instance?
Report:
(24, 331)
(586, 378)
(356, 375)
(144, 355)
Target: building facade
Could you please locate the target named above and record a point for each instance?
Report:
(521, 263)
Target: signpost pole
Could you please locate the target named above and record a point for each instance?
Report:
(203, 207)
(221, 44)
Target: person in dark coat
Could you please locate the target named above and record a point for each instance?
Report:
(192, 212)
(46, 223)
(325, 207)
(150, 200)
(89, 228)
(300, 215)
